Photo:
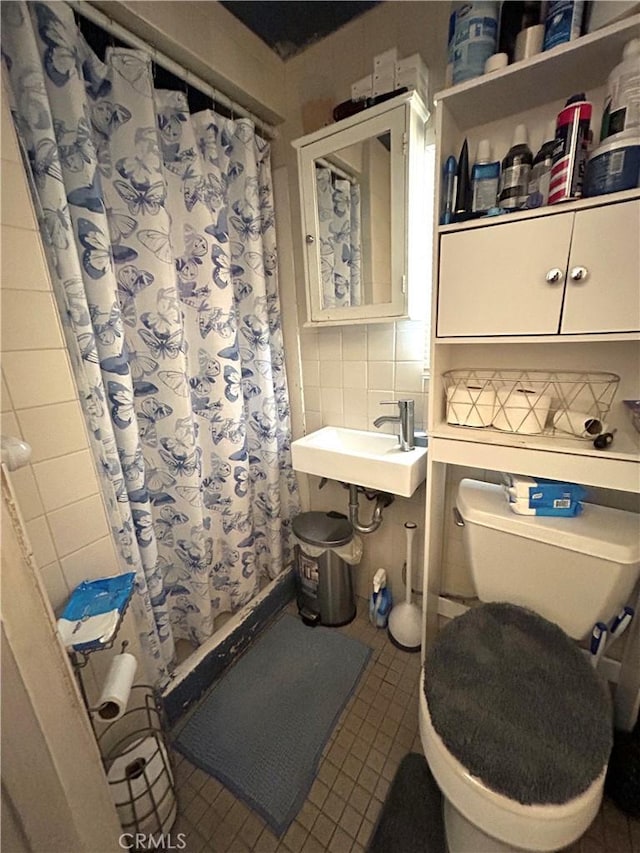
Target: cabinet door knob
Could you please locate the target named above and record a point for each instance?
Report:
(310, 239)
(554, 276)
(579, 273)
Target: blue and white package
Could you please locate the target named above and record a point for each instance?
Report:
(560, 508)
(93, 612)
(475, 38)
(543, 493)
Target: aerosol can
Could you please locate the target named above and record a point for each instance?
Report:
(380, 601)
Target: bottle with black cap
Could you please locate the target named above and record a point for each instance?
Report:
(516, 168)
(463, 185)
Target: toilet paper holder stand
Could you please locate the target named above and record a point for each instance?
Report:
(79, 658)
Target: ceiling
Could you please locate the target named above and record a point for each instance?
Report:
(289, 27)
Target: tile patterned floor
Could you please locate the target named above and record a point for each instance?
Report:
(377, 728)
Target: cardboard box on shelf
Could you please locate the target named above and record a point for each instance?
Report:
(382, 61)
(383, 82)
(362, 88)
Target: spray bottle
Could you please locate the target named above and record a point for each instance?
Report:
(380, 601)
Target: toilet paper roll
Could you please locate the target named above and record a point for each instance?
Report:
(141, 785)
(580, 424)
(470, 405)
(529, 42)
(521, 410)
(496, 62)
(117, 687)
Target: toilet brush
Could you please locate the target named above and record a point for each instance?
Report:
(405, 619)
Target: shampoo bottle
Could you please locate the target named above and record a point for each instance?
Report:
(516, 167)
(485, 176)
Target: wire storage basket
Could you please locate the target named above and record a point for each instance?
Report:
(138, 766)
(571, 404)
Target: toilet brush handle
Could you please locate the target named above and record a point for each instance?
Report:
(410, 530)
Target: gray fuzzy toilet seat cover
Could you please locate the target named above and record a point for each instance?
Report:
(518, 704)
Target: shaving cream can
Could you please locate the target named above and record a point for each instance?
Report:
(571, 150)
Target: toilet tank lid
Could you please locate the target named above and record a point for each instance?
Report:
(601, 532)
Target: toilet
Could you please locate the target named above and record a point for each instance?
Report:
(515, 723)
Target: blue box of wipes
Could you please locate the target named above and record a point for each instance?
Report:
(543, 493)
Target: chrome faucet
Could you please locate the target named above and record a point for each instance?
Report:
(405, 418)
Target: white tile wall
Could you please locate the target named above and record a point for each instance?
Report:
(38, 377)
(29, 321)
(97, 558)
(347, 373)
(66, 479)
(53, 430)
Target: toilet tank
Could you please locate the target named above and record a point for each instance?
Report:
(573, 571)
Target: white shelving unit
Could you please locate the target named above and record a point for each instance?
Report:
(474, 265)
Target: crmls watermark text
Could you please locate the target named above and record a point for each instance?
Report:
(144, 841)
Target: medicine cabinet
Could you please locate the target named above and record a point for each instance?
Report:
(366, 215)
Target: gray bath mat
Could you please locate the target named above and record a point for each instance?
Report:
(261, 729)
(411, 818)
(515, 700)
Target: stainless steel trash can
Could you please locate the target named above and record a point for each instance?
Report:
(323, 579)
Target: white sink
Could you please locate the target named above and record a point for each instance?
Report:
(370, 459)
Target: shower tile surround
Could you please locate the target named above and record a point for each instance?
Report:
(377, 728)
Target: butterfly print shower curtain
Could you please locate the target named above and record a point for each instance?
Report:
(159, 231)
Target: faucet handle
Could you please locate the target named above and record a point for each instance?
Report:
(403, 404)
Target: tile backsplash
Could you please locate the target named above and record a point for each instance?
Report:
(348, 372)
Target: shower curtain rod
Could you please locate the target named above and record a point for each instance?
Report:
(106, 23)
(336, 170)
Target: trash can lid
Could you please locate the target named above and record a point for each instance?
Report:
(323, 528)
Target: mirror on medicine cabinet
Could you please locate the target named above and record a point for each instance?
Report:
(366, 190)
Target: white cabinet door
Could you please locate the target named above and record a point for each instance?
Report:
(603, 277)
(493, 280)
